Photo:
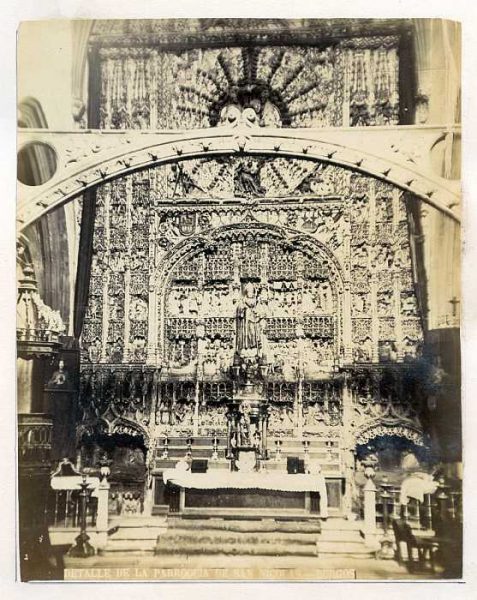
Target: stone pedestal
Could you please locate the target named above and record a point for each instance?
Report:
(369, 529)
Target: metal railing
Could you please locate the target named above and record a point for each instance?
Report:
(64, 509)
(442, 506)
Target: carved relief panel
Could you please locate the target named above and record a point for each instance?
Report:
(354, 82)
(116, 321)
(381, 280)
(206, 291)
(361, 223)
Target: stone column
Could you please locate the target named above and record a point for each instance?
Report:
(105, 319)
(195, 427)
(298, 405)
(346, 60)
(397, 313)
(149, 492)
(102, 516)
(263, 430)
(127, 324)
(200, 333)
(374, 319)
(127, 272)
(107, 275)
(298, 409)
(374, 275)
(152, 333)
(347, 326)
(228, 416)
(370, 506)
(347, 444)
(370, 530)
(182, 494)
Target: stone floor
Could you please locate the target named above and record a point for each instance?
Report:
(238, 568)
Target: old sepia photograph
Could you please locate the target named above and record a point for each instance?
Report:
(238, 300)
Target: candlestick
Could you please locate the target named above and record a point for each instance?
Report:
(278, 452)
(165, 451)
(215, 443)
(82, 548)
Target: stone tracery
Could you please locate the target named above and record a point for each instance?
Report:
(350, 83)
(238, 267)
(296, 255)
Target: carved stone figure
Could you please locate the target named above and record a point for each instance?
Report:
(325, 297)
(247, 321)
(387, 351)
(271, 116)
(94, 308)
(383, 257)
(138, 348)
(247, 179)
(363, 352)
(138, 310)
(409, 348)
(384, 301)
(194, 302)
(360, 257)
(94, 350)
(408, 305)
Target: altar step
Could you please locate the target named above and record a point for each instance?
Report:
(260, 536)
(343, 537)
(135, 535)
(246, 524)
(238, 549)
(257, 537)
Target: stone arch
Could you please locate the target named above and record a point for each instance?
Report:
(44, 238)
(193, 246)
(102, 426)
(122, 425)
(398, 446)
(409, 431)
(86, 160)
(31, 114)
(126, 445)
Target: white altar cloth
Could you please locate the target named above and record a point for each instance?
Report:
(264, 480)
(416, 486)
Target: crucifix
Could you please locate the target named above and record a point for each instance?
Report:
(454, 303)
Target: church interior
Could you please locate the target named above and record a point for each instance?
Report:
(238, 292)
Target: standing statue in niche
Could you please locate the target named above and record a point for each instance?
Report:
(247, 322)
(325, 297)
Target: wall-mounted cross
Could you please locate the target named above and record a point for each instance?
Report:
(454, 303)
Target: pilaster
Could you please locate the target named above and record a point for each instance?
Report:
(127, 273)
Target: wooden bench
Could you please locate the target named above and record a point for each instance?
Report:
(425, 546)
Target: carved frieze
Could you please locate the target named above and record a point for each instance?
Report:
(412, 328)
(301, 86)
(110, 394)
(373, 83)
(322, 405)
(359, 221)
(248, 178)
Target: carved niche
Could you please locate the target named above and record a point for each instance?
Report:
(204, 290)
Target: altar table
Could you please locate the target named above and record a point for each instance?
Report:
(249, 490)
